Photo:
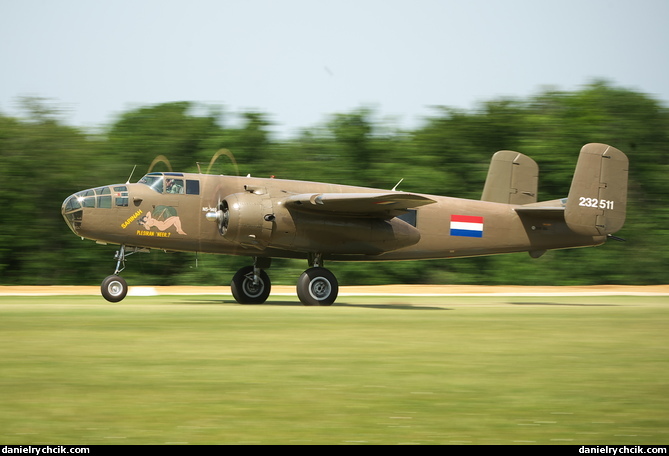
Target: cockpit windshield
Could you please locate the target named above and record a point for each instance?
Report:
(153, 180)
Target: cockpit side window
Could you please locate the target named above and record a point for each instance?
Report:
(193, 187)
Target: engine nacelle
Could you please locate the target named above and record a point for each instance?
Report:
(352, 236)
(245, 218)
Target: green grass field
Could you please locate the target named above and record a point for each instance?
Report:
(372, 370)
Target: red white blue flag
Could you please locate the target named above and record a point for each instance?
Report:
(466, 225)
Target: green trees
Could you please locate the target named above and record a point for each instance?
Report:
(42, 161)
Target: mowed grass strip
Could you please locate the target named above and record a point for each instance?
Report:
(372, 370)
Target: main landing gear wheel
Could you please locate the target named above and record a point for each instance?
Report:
(317, 287)
(114, 288)
(246, 290)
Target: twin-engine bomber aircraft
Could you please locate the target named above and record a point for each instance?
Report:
(275, 218)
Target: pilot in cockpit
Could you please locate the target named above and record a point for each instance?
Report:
(174, 186)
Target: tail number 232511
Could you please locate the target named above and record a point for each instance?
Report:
(594, 202)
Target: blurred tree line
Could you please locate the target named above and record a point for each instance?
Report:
(42, 161)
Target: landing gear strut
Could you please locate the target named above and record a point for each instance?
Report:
(114, 287)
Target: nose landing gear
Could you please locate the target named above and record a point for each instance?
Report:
(114, 287)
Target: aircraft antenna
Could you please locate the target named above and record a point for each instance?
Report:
(397, 185)
(133, 172)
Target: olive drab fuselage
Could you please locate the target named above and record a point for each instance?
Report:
(139, 215)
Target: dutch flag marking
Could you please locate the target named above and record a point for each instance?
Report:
(466, 225)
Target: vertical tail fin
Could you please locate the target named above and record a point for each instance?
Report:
(512, 179)
(597, 200)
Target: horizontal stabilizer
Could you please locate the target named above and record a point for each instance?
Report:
(544, 212)
(357, 204)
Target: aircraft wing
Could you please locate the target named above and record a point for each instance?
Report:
(357, 204)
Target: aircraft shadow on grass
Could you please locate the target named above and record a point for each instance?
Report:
(288, 303)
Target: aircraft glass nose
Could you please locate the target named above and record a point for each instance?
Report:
(72, 212)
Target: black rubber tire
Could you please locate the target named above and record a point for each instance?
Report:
(114, 288)
(243, 289)
(317, 287)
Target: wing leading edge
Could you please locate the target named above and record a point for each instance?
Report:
(382, 205)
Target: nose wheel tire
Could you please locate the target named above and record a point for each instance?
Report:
(317, 287)
(245, 291)
(114, 288)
